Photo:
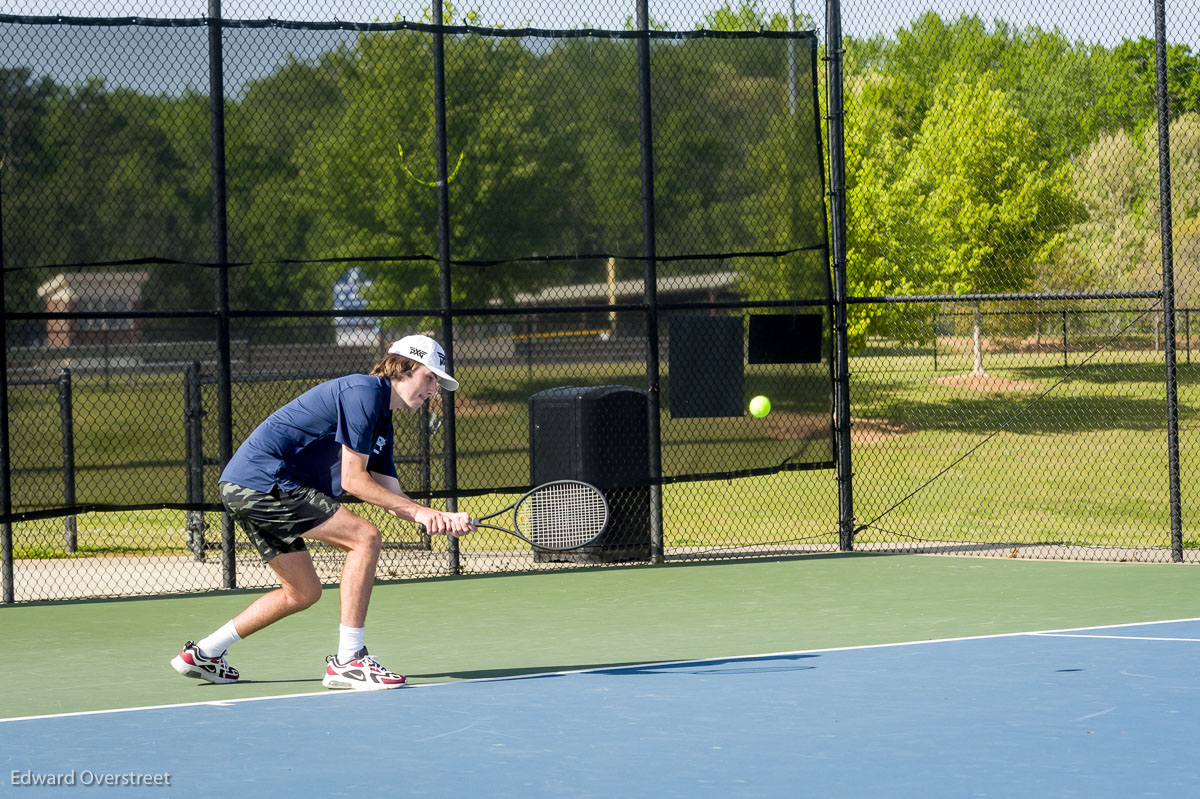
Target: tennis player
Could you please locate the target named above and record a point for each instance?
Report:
(334, 439)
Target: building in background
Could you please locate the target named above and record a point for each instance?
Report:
(93, 292)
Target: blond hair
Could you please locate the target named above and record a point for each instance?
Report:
(393, 366)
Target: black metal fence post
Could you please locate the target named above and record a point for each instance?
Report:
(216, 104)
(650, 252)
(443, 206)
(7, 592)
(193, 414)
(66, 413)
(837, 210)
(1168, 278)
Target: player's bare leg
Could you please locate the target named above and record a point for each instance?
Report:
(362, 542)
(300, 588)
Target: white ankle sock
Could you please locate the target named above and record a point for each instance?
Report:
(350, 640)
(216, 644)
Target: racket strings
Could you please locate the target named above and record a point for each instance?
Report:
(561, 516)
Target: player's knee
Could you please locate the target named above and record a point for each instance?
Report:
(304, 595)
(311, 595)
(374, 541)
(369, 539)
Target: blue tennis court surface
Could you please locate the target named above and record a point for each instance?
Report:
(1093, 712)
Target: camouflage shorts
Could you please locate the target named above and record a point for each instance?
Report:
(276, 521)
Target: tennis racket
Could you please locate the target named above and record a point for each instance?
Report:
(557, 516)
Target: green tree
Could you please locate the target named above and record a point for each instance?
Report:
(964, 207)
(183, 124)
(25, 160)
(749, 15)
(1145, 212)
(269, 221)
(884, 241)
(1070, 92)
(1185, 262)
(987, 207)
(122, 188)
(1118, 243)
(744, 166)
(111, 185)
(1129, 95)
(506, 198)
(1110, 181)
(988, 210)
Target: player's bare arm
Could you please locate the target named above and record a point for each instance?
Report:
(384, 492)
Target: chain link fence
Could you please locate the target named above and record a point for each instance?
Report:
(364, 179)
(1006, 342)
(1012, 152)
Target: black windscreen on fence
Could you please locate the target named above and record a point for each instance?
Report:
(563, 270)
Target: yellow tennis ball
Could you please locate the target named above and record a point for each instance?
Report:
(760, 406)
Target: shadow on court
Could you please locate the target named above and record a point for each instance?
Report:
(687, 667)
(244, 681)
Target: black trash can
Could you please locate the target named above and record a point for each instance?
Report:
(601, 435)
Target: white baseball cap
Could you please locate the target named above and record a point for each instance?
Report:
(428, 352)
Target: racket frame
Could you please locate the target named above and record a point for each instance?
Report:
(514, 507)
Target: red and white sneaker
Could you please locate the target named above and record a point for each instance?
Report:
(362, 673)
(191, 662)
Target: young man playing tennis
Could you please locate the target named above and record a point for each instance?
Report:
(334, 439)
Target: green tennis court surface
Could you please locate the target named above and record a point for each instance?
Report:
(116, 653)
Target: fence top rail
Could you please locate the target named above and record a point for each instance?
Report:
(1014, 297)
(424, 27)
(1046, 312)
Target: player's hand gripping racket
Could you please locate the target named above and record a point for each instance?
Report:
(564, 514)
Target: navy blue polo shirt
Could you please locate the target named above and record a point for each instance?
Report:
(301, 443)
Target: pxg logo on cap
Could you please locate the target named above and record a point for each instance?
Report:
(425, 350)
(421, 355)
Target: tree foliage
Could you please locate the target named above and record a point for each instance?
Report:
(980, 157)
(986, 158)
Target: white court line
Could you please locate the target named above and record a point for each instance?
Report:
(209, 703)
(1115, 637)
(1063, 633)
(1097, 713)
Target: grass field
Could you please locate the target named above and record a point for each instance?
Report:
(1084, 465)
